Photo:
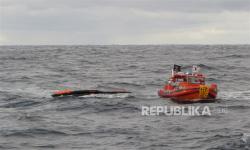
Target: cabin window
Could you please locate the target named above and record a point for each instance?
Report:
(180, 80)
(195, 80)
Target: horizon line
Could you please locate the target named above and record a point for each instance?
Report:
(113, 44)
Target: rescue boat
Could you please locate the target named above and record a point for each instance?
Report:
(188, 87)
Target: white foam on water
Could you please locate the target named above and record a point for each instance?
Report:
(243, 95)
(151, 96)
(33, 91)
(246, 138)
(37, 92)
(122, 95)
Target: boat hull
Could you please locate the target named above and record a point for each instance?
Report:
(86, 92)
(190, 94)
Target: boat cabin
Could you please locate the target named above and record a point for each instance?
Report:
(193, 78)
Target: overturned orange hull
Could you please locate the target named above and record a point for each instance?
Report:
(85, 92)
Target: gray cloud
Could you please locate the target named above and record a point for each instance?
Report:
(124, 21)
(153, 5)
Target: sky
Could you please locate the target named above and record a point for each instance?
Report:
(105, 22)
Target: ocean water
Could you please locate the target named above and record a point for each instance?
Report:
(31, 119)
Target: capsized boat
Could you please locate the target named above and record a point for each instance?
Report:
(68, 92)
(188, 87)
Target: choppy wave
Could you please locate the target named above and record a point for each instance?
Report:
(203, 66)
(246, 139)
(32, 119)
(107, 95)
(238, 95)
(20, 104)
(28, 91)
(236, 56)
(31, 132)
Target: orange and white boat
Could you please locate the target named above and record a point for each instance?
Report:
(188, 87)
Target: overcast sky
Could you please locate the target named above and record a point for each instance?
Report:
(124, 22)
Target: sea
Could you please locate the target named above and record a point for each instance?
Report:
(30, 119)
